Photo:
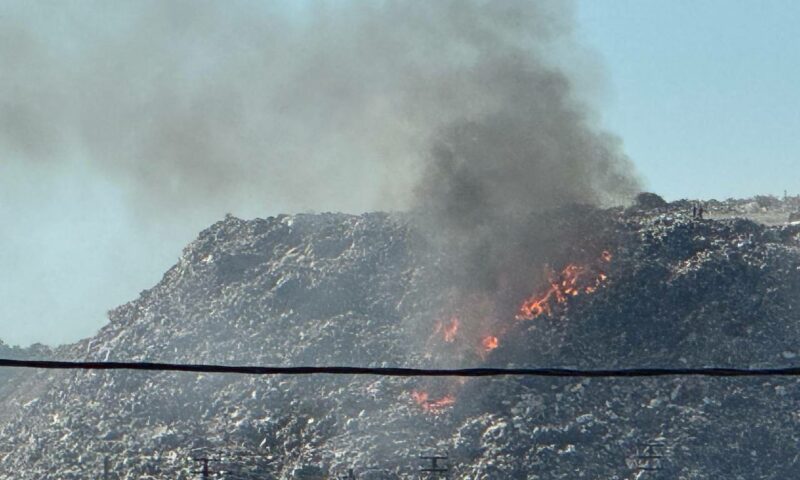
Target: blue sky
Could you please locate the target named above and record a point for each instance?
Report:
(703, 93)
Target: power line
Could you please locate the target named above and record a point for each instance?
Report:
(407, 372)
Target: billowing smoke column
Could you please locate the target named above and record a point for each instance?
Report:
(531, 147)
(459, 110)
(242, 106)
(463, 111)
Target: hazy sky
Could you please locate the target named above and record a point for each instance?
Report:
(703, 94)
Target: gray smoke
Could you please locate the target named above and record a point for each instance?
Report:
(454, 106)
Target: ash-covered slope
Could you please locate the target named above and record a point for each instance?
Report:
(370, 290)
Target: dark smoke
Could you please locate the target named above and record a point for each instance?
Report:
(531, 148)
(231, 106)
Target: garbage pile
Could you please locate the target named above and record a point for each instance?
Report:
(12, 379)
(641, 287)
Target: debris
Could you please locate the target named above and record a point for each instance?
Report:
(358, 290)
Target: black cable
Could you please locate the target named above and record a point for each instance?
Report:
(406, 372)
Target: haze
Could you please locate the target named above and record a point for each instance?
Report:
(96, 203)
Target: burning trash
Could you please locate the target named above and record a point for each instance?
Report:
(448, 329)
(489, 343)
(573, 280)
(432, 406)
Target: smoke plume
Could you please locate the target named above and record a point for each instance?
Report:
(456, 107)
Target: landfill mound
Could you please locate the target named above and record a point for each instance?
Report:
(638, 287)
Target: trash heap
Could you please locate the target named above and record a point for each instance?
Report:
(335, 289)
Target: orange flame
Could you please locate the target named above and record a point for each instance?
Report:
(573, 281)
(448, 330)
(432, 406)
(490, 343)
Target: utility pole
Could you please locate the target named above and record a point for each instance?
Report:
(435, 470)
(204, 471)
(650, 457)
(106, 468)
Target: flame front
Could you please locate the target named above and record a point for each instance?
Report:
(571, 282)
(450, 330)
(432, 406)
(489, 343)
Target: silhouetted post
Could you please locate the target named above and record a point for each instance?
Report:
(435, 470)
(205, 472)
(649, 460)
(106, 468)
